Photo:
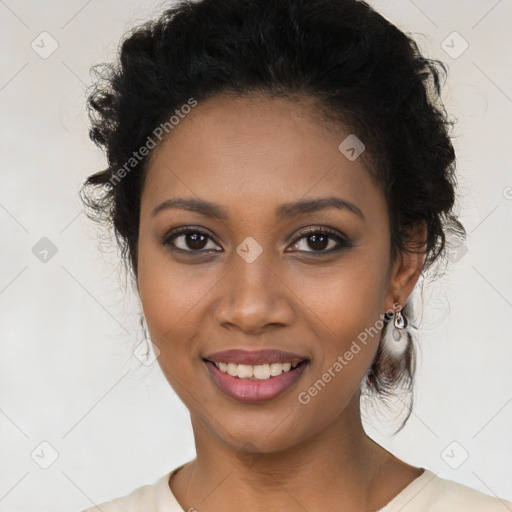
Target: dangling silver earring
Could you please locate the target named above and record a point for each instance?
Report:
(400, 320)
(146, 352)
(146, 336)
(393, 341)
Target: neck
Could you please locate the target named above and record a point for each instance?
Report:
(342, 464)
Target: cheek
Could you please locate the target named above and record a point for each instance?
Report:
(348, 297)
(169, 301)
(174, 300)
(171, 305)
(347, 305)
(342, 358)
(168, 290)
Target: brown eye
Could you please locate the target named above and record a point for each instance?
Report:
(195, 240)
(188, 240)
(318, 240)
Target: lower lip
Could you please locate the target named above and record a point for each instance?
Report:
(254, 391)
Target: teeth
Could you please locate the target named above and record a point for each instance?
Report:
(244, 371)
(259, 371)
(262, 371)
(276, 368)
(232, 369)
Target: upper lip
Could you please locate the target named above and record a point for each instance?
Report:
(254, 357)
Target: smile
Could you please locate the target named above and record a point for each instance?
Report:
(255, 383)
(259, 371)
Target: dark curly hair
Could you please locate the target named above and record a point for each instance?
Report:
(362, 71)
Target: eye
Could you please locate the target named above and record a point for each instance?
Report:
(319, 239)
(188, 239)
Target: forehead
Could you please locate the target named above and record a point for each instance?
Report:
(256, 151)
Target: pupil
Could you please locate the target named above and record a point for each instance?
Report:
(320, 245)
(194, 240)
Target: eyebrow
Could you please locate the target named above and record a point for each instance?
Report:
(210, 209)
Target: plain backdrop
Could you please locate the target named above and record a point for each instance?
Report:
(81, 419)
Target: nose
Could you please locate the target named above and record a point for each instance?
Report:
(253, 297)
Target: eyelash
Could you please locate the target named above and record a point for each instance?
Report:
(343, 242)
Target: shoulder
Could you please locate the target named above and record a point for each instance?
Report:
(449, 495)
(434, 494)
(147, 497)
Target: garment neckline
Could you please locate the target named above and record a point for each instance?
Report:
(415, 485)
(409, 491)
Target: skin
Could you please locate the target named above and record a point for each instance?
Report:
(250, 155)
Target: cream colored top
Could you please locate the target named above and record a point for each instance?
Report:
(427, 493)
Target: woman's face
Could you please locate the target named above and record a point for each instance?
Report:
(251, 278)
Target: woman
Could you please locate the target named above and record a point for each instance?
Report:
(280, 176)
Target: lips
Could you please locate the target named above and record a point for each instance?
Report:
(266, 356)
(251, 390)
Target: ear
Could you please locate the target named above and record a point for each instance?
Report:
(407, 267)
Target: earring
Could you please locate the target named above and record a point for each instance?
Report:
(395, 337)
(399, 321)
(146, 337)
(146, 351)
(153, 350)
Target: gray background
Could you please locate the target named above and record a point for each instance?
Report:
(70, 323)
